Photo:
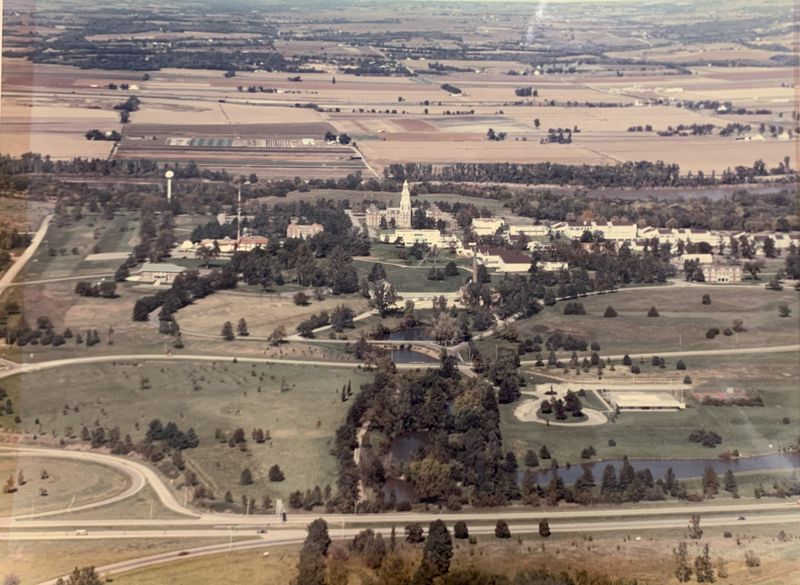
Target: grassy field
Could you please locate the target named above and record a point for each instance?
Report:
(665, 434)
(34, 561)
(300, 406)
(682, 323)
(648, 558)
(71, 244)
(87, 482)
(262, 313)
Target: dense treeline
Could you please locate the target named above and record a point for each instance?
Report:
(628, 174)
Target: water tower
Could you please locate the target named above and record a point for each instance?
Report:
(169, 174)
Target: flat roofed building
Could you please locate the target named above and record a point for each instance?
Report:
(642, 401)
(159, 272)
(487, 226)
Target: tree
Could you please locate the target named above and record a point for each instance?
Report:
(436, 554)
(300, 298)
(695, 532)
(730, 482)
(241, 328)
(275, 473)
(460, 530)
(246, 478)
(784, 310)
(653, 312)
(703, 569)
(414, 533)
(706, 299)
(610, 312)
(377, 273)
(375, 552)
(227, 331)
(451, 269)
(710, 482)
(501, 529)
(311, 564)
(82, 576)
(680, 557)
(384, 296)
(753, 267)
(544, 452)
(10, 486)
(278, 335)
(544, 528)
(531, 460)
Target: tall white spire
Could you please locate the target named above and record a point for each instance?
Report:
(405, 197)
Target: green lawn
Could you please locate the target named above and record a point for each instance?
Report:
(64, 250)
(682, 323)
(665, 434)
(87, 482)
(299, 405)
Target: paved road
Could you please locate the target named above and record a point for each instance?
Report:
(700, 352)
(17, 368)
(199, 525)
(62, 279)
(288, 537)
(19, 263)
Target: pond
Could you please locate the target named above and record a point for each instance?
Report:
(405, 447)
(683, 468)
(411, 334)
(409, 356)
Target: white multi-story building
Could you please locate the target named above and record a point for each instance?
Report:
(303, 230)
(487, 226)
(409, 237)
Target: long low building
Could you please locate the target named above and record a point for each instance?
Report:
(503, 259)
(645, 401)
(409, 237)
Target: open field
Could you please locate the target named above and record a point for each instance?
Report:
(65, 249)
(34, 561)
(682, 322)
(300, 406)
(23, 214)
(262, 313)
(87, 483)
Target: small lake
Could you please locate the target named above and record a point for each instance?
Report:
(683, 468)
(411, 334)
(409, 356)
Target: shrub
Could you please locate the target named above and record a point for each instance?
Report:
(712, 333)
(460, 530)
(687, 379)
(653, 312)
(501, 529)
(610, 313)
(706, 299)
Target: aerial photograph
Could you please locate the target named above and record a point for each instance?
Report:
(393, 292)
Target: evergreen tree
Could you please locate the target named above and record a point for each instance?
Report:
(544, 528)
(311, 565)
(436, 554)
(227, 331)
(730, 482)
(703, 569)
(680, 556)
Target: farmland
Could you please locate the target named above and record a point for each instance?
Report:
(400, 113)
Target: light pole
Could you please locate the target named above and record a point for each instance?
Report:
(169, 175)
(239, 211)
